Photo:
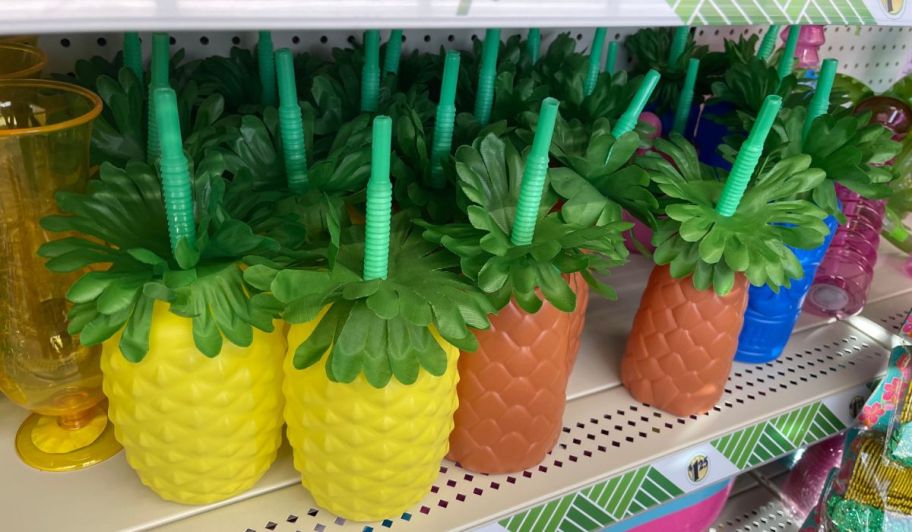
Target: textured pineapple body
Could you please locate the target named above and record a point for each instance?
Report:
(578, 316)
(367, 453)
(513, 390)
(196, 429)
(682, 343)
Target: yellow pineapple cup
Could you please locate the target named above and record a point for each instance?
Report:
(370, 374)
(193, 377)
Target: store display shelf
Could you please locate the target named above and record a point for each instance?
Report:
(755, 510)
(609, 441)
(118, 15)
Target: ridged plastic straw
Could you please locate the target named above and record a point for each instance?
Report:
(747, 158)
(628, 120)
(788, 55)
(266, 64)
(685, 99)
(393, 52)
(290, 123)
(161, 49)
(533, 180)
(768, 43)
(132, 54)
(595, 61)
(611, 60)
(484, 96)
(379, 202)
(175, 174)
(533, 44)
(678, 42)
(820, 101)
(370, 73)
(446, 117)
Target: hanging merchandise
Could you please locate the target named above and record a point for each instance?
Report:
(842, 282)
(684, 335)
(870, 490)
(44, 367)
(193, 377)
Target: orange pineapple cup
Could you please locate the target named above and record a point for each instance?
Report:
(715, 239)
(530, 261)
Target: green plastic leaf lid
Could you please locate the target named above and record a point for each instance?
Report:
(370, 72)
(393, 52)
(132, 54)
(788, 54)
(267, 69)
(628, 120)
(768, 44)
(291, 124)
(484, 94)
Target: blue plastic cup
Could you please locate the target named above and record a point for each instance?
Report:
(770, 317)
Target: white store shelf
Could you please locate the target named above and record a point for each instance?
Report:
(607, 435)
(118, 15)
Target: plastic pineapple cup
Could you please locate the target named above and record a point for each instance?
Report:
(512, 391)
(684, 335)
(196, 401)
(370, 372)
(44, 149)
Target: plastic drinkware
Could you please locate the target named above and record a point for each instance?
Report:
(771, 316)
(844, 278)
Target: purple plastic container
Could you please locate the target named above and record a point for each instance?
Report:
(842, 282)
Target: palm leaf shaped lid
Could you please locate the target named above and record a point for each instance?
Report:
(514, 244)
(156, 247)
(380, 323)
(714, 230)
(846, 146)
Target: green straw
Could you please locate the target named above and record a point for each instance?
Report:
(446, 117)
(379, 202)
(175, 173)
(291, 125)
(678, 42)
(266, 63)
(132, 54)
(533, 44)
(747, 158)
(161, 44)
(484, 95)
(533, 179)
(628, 120)
(685, 99)
(611, 60)
(595, 61)
(788, 55)
(393, 52)
(370, 73)
(768, 43)
(820, 102)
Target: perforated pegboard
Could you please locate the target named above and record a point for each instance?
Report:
(877, 55)
(771, 517)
